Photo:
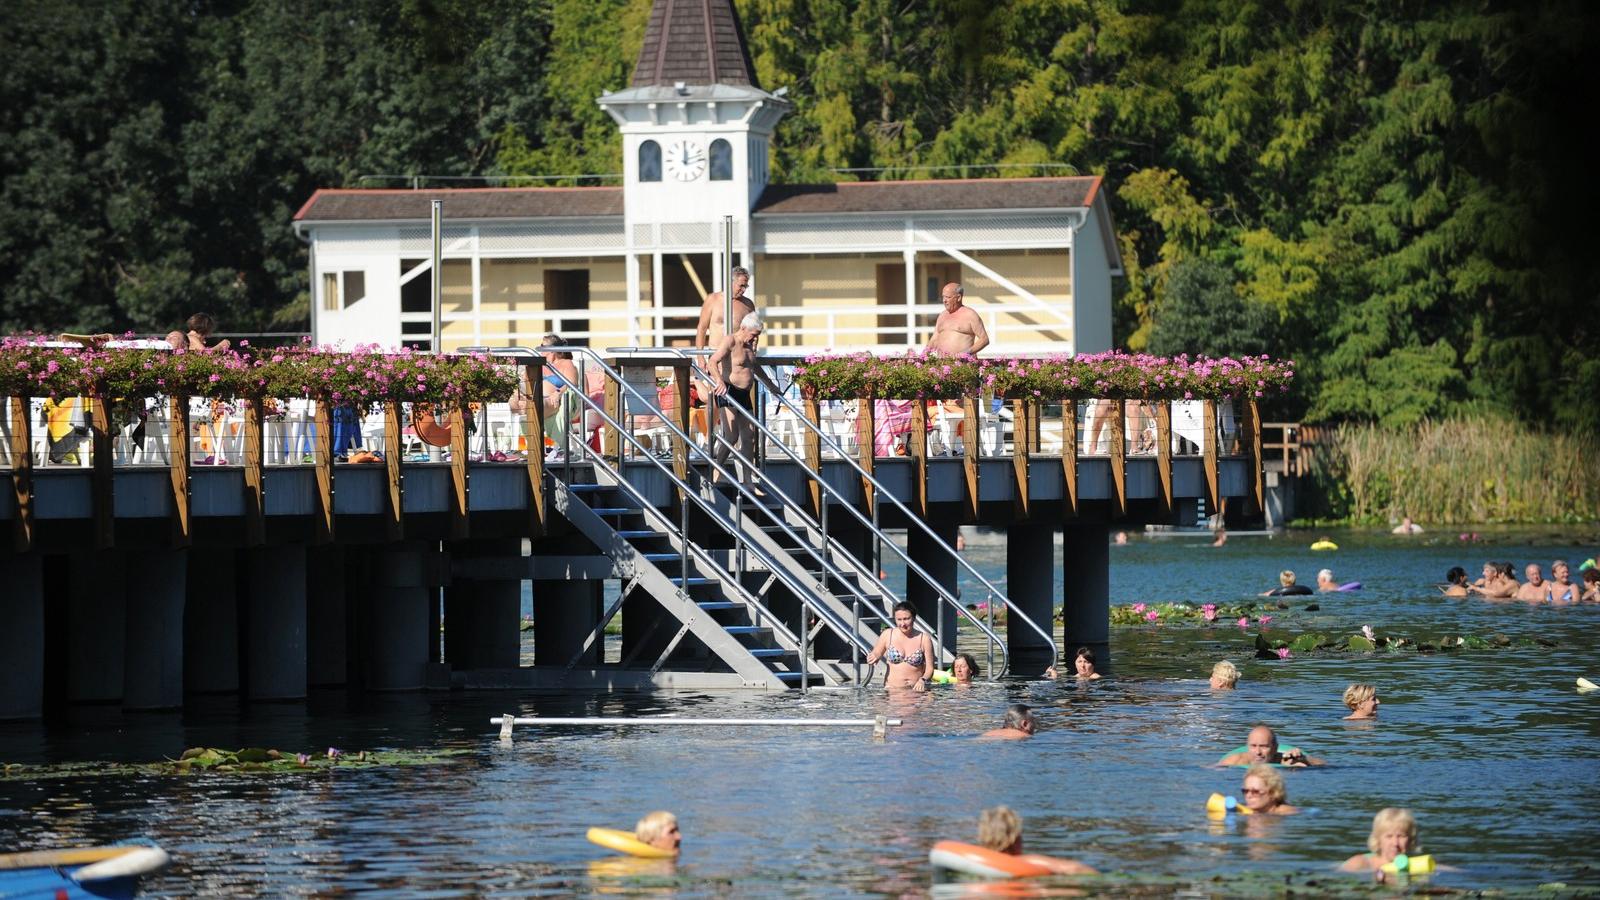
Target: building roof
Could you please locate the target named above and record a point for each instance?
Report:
(346, 205)
(695, 42)
(928, 196)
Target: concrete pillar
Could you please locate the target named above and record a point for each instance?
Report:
(275, 622)
(941, 565)
(153, 661)
(96, 626)
(326, 616)
(22, 638)
(1086, 592)
(397, 622)
(565, 612)
(483, 616)
(211, 623)
(1030, 586)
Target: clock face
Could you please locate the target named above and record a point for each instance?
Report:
(685, 160)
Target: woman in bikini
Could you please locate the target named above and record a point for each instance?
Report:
(909, 651)
(1562, 588)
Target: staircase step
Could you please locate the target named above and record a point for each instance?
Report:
(714, 605)
(615, 510)
(630, 534)
(770, 652)
(747, 629)
(662, 557)
(694, 581)
(793, 676)
(581, 488)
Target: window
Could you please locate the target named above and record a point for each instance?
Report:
(355, 287)
(352, 286)
(330, 291)
(721, 160)
(649, 161)
(416, 295)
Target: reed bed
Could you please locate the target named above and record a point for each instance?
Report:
(1460, 472)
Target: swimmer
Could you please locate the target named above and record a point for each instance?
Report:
(1325, 582)
(1456, 578)
(1224, 676)
(1000, 830)
(1362, 700)
(1406, 526)
(1020, 723)
(1591, 586)
(1498, 582)
(964, 669)
(660, 830)
(1286, 586)
(1562, 588)
(909, 651)
(1262, 747)
(1084, 664)
(1265, 793)
(1535, 590)
(1222, 537)
(1121, 538)
(1394, 832)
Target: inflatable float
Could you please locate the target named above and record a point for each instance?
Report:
(1293, 590)
(1349, 586)
(1324, 545)
(1585, 685)
(1409, 865)
(1218, 806)
(625, 842)
(81, 872)
(971, 859)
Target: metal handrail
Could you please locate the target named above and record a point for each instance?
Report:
(777, 570)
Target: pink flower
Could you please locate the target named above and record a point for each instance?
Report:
(1264, 619)
(1138, 607)
(1244, 621)
(1283, 652)
(1151, 616)
(1366, 630)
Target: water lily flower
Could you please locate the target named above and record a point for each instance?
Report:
(1244, 621)
(1264, 619)
(1138, 607)
(1283, 652)
(302, 758)
(335, 753)
(1151, 616)
(1366, 630)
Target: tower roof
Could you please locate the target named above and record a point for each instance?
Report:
(697, 42)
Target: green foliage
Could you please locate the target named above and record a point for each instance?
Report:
(197, 760)
(1204, 313)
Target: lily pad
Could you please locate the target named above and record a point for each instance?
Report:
(1360, 644)
(1307, 642)
(249, 760)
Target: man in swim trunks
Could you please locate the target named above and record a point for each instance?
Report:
(709, 332)
(1262, 747)
(734, 372)
(959, 330)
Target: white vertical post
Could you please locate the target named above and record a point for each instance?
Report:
(910, 254)
(477, 291)
(438, 283)
(657, 295)
(630, 266)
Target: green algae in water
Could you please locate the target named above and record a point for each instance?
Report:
(197, 760)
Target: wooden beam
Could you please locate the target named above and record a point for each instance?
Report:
(103, 485)
(394, 521)
(460, 528)
(22, 473)
(611, 445)
(178, 465)
(1252, 420)
(255, 506)
(813, 450)
(533, 428)
(322, 456)
(866, 451)
(917, 450)
(973, 426)
(1020, 441)
(682, 381)
(1119, 460)
(1163, 410)
(1212, 438)
(1069, 457)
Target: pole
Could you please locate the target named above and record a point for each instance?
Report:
(728, 324)
(438, 280)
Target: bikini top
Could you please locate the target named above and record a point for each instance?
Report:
(915, 658)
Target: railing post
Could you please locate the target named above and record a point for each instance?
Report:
(255, 511)
(612, 442)
(1119, 460)
(460, 528)
(1069, 456)
(1213, 438)
(866, 451)
(1250, 424)
(393, 451)
(974, 449)
(1163, 410)
(1021, 438)
(178, 466)
(681, 383)
(533, 431)
(22, 473)
(103, 485)
(917, 448)
(322, 457)
(813, 451)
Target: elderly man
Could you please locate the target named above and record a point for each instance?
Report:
(1019, 724)
(1325, 582)
(710, 330)
(734, 371)
(660, 830)
(1534, 589)
(1262, 747)
(959, 329)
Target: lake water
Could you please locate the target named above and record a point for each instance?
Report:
(1493, 749)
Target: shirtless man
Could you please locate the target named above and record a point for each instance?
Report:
(1497, 582)
(200, 326)
(709, 333)
(959, 329)
(1020, 724)
(734, 371)
(1262, 747)
(1535, 589)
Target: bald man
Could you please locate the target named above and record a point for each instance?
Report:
(959, 329)
(1262, 747)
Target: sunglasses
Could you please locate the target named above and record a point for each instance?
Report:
(1250, 790)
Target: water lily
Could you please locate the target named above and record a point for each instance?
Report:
(1264, 619)
(1244, 622)
(1283, 652)
(1138, 607)
(1368, 633)
(335, 753)
(1152, 616)
(302, 758)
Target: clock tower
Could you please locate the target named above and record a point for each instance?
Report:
(696, 128)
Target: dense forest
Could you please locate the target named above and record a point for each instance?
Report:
(1397, 194)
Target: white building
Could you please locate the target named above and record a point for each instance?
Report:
(834, 266)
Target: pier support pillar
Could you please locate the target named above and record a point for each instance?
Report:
(941, 565)
(326, 616)
(211, 623)
(1030, 586)
(22, 639)
(483, 616)
(153, 660)
(275, 622)
(397, 622)
(1086, 591)
(96, 626)
(565, 612)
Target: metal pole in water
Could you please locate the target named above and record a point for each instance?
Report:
(438, 281)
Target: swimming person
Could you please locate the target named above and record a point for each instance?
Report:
(1498, 582)
(1262, 747)
(1362, 700)
(1265, 793)
(1019, 723)
(1286, 586)
(1084, 664)
(1224, 675)
(1394, 833)
(909, 651)
(1591, 586)
(1456, 578)
(660, 830)
(962, 670)
(1000, 830)
(1325, 582)
(1534, 590)
(1406, 526)
(1562, 587)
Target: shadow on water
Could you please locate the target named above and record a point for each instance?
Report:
(1493, 749)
